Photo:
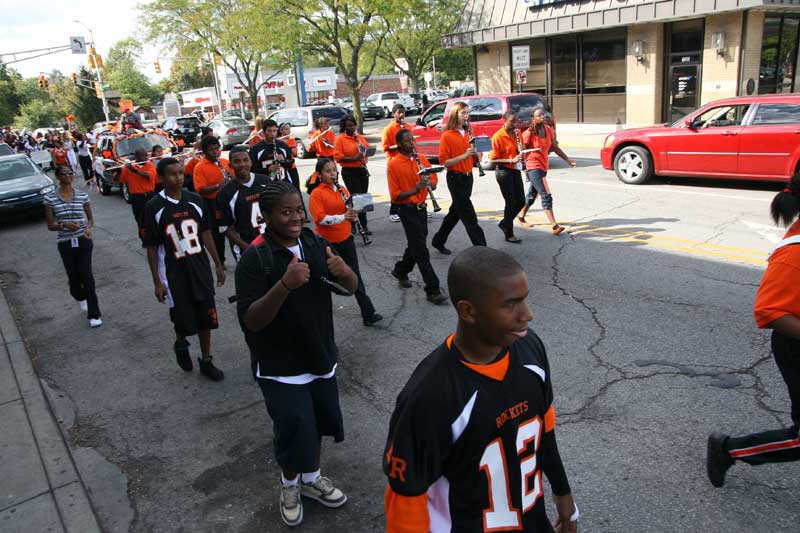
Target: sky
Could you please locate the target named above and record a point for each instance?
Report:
(37, 24)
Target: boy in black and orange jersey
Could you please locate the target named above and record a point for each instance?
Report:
(474, 428)
(408, 193)
(177, 235)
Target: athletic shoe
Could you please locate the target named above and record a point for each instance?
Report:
(372, 320)
(394, 218)
(437, 298)
(443, 249)
(84, 305)
(557, 229)
(95, 322)
(324, 492)
(402, 280)
(208, 369)
(182, 355)
(291, 506)
(718, 460)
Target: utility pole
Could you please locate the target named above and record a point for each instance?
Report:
(96, 61)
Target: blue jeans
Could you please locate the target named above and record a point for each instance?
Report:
(538, 179)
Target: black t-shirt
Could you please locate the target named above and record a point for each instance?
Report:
(176, 228)
(467, 440)
(262, 156)
(237, 206)
(300, 338)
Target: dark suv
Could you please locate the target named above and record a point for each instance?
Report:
(183, 129)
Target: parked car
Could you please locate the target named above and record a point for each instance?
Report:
(5, 149)
(467, 90)
(184, 130)
(749, 137)
(115, 149)
(367, 109)
(386, 101)
(486, 117)
(302, 122)
(23, 184)
(230, 131)
(237, 113)
(418, 103)
(42, 158)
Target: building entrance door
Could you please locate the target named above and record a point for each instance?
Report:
(684, 41)
(684, 94)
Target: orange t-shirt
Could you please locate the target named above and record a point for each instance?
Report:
(291, 142)
(320, 147)
(257, 138)
(190, 164)
(779, 292)
(389, 137)
(325, 201)
(538, 160)
(207, 173)
(453, 144)
(346, 146)
(504, 146)
(138, 184)
(402, 175)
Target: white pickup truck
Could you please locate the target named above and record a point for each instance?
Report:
(386, 101)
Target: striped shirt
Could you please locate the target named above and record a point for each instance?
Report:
(71, 211)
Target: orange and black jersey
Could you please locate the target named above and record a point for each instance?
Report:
(262, 155)
(237, 206)
(175, 227)
(467, 444)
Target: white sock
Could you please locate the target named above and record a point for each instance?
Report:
(310, 477)
(289, 482)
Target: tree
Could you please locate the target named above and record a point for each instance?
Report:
(123, 73)
(454, 64)
(414, 30)
(88, 107)
(241, 34)
(341, 30)
(184, 72)
(10, 99)
(36, 114)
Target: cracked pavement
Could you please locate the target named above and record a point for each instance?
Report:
(646, 312)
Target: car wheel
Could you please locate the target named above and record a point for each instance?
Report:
(302, 153)
(105, 188)
(633, 165)
(126, 194)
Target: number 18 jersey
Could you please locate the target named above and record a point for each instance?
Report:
(466, 444)
(176, 227)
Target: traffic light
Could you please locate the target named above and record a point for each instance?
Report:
(98, 59)
(158, 66)
(217, 59)
(98, 90)
(91, 61)
(41, 82)
(74, 77)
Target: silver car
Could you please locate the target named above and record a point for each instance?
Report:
(230, 130)
(23, 184)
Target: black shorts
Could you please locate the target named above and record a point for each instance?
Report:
(301, 416)
(191, 317)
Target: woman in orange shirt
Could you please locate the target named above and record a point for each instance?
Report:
(285, 135)
(542, 139)
(333, 222)
(324, 139)
(349, 151)
(777, 308)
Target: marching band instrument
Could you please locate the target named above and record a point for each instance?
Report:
(348, 203)
(424, 174)
(520, 148)
(181, 156)
(468, 129)
(320, 134)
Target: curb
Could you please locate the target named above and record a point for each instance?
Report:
(48, 494)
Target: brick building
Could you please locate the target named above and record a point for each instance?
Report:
(632, 62)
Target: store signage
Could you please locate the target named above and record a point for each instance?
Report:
(521, 57)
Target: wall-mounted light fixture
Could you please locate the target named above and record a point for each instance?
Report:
(638, 50)
(718, 42)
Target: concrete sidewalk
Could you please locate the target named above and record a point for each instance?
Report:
(40, 487)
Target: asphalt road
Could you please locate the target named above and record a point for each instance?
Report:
(645, 306)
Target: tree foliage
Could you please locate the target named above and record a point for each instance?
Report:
(36, 114)
(123, 73)
(10, 99)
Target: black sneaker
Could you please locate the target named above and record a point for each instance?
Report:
(182, 355)
(208, 369)
(718, 460)
(402, 280)
(372, 320)
(438, 298)
(443, 249)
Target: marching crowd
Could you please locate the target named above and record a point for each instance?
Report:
(474, 428)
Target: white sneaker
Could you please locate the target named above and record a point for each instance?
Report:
(95, 322)
(324, 492)
(290, 505)
(84, 305)
(394, 218)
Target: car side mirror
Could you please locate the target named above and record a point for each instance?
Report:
(419, 122)
(692, 124)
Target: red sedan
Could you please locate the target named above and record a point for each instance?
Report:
(750, 137)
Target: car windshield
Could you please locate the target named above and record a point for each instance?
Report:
(126, 147)
(18, 167)
(235, 122)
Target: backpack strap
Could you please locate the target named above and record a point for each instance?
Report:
(785, 242)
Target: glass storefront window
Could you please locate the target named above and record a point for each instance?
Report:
(778, 54)
(604, 76)
(565, 85)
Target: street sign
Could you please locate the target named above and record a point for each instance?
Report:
(427, 76)
(521, 57)
(522, 77)
(78, 45)
(403, 82)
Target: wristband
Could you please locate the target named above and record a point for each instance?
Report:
(576, 514)
(285, 286)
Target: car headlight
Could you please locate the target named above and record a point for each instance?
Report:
(609, 141)
(47, 189)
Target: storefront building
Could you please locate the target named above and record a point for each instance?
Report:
(631, 62)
